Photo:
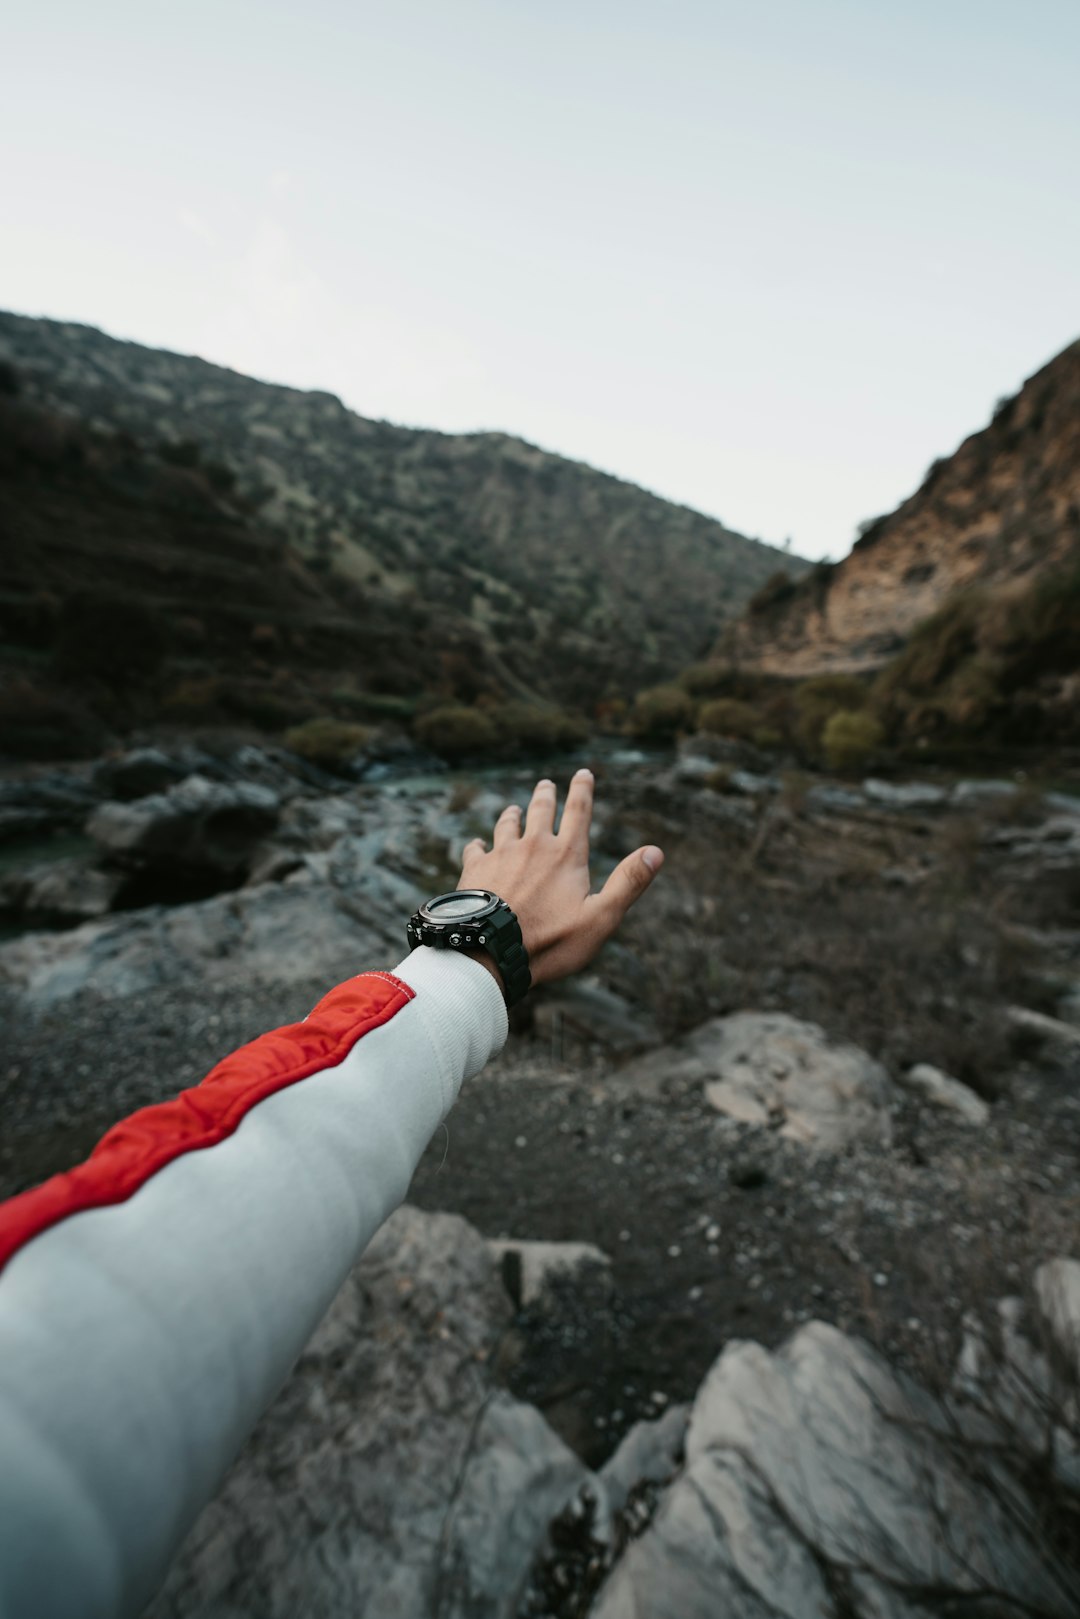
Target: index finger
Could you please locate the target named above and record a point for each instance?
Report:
(577, 813)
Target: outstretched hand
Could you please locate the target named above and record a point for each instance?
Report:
(543, 876)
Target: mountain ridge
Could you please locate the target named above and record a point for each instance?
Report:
(531, 546)
(1002, 508)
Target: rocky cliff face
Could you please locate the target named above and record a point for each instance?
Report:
(548, 563)
(1005, 506)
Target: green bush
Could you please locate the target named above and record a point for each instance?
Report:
(850, 737)
(712, 679)
(537, 729)
(726, 716)
(817, 700)
(327, 741)
(454, 731)
(661, 711)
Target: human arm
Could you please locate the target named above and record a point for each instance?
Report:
(154, 1299)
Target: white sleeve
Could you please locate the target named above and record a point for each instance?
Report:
(153, 1300)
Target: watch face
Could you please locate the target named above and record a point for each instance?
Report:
(457, 907)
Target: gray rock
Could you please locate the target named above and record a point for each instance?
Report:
(905, 795)
(830, 797)
(972, 794)
(318, 823)
(1061, 1038)
(1062, 803)
(752, 785)
(694, 767)
(1057, 1291)
(528, 1267)
(391, 1476)
(771, 1070)
(818, 1484)
(941, 1090)
(588, 1010)
(199, 825)
(651, 1451)
(138, 774)
(271, 934)
(61, 893)
(1016, 1379)
(1069, 1006)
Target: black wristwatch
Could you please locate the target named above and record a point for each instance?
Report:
(475, 919)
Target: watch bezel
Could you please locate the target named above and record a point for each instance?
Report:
(468, 927)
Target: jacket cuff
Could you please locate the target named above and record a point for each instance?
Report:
(463, 1012)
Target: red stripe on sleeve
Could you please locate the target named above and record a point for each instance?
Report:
(134, 1150)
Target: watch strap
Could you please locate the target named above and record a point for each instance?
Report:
(507, 949)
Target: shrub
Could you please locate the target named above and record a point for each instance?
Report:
(726, 716)
(327, 741)
(850, 737)
(454, 731)
(817, 700)
(111, 638)
(712, 679)
(536, 729)
(661, 711)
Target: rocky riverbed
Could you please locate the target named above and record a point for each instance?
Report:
(815, 1112)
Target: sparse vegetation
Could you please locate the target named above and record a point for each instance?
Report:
(661, 712)
(726, 716)
(454, 732)
(536, 729)
(714, 678)
(816, 701)
(328, 742)
(850, 738)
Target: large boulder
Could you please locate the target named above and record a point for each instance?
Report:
(391, 1476)
(334, 915)
(771, 1070)
(820, 1484)
(199, 826)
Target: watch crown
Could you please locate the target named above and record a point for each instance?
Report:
(455, 938)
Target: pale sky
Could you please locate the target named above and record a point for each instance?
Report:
(766, 259)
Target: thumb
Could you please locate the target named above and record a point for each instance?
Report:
(629, 881)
